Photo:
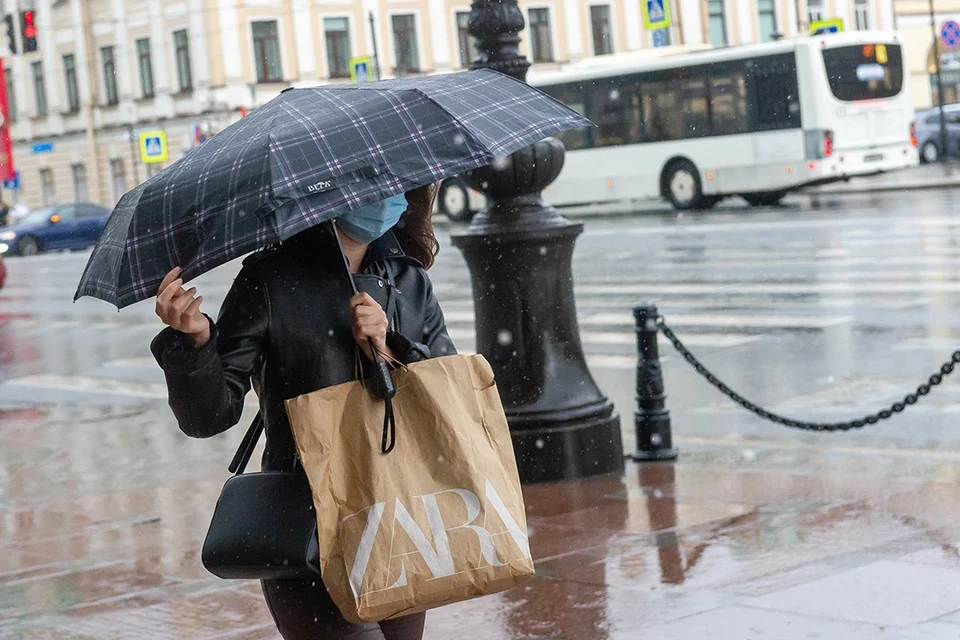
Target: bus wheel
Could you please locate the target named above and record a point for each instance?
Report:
(681, 185)
(453, 200)
(930, 153)
(765, 199)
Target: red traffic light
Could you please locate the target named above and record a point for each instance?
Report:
(28, 26)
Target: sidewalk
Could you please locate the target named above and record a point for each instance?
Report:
(737, 540)
(935, 176)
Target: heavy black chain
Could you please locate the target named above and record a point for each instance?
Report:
(883, 414)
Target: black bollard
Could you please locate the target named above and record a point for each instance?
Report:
(652, 420)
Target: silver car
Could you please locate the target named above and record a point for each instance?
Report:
(928, 133)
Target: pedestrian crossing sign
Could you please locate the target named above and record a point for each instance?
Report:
(820, 27)
(361, 69)
(153, 147)
(656, 14)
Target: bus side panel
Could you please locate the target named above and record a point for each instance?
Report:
(608, 173)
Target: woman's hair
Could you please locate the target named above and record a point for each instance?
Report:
(415, 230)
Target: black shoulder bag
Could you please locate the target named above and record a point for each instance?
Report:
(264, 526)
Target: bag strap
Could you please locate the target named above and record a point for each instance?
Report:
(247, 445)
(391, 311)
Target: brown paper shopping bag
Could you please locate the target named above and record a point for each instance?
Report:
(438, 520)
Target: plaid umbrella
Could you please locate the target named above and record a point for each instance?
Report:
(308, 156)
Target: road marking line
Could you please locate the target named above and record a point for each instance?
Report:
(765, 322)
(93, 386)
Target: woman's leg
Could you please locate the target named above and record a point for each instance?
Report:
(405, 628)
(303, 610)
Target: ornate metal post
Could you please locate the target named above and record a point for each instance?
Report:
(519, 253)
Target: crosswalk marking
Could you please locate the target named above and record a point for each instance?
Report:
(830, 273)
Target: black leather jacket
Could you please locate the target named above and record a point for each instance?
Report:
(285, 324)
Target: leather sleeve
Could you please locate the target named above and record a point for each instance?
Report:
(436, 340)
(206, 387)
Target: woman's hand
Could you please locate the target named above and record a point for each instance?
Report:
(369, 324)
(180, 309)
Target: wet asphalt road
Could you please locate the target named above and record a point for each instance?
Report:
(758, 531)
(820, 312)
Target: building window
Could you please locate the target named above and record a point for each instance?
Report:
(39, 88)
(337, 35)
(145, 62)
(80, 191)
(109, 75)
(602, 33)
(266, 51)
(466, 42)
(718, 22)
(70, 77)
(48, 190)
(814, 10)
(405, 43)
(184, 72)
(767, 15)
(861, 14)
(11, 96)
(119, 178)
(541, 40)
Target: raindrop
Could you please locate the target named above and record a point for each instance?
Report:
(504, 337)
(484, 185)
(539, 443)
(657, 493)
(655, 439)
(500, 163)
(749, 454)
(459, 140)
(330, 333)
(615, 95)
(543, 251)
(440, 459)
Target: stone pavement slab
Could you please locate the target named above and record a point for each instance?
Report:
(794, 539)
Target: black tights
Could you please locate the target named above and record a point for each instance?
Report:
(303, 610)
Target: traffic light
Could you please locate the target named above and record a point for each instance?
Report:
(28, 21)
(10, 32)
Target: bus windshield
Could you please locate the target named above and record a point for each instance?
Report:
(864, 72)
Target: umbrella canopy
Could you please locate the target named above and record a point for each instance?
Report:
(307, 156)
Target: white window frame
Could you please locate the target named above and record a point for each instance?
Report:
(554, 32)
(862, 10)
(418, 25)
(727, 27)
(454, 12)
(614, 40)
(351, 31)
(815, 11)
(76, 185)
(282, 36)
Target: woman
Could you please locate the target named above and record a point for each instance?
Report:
(291, 323)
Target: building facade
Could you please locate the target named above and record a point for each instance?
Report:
(106, 70)
(922, 43)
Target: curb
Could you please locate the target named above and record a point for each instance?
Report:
(917, 186)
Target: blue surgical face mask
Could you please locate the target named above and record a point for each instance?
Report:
(371, 221)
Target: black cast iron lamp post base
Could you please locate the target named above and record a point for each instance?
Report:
(519, 253)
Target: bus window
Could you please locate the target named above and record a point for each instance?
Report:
(574, 96)
(615, 109)
(675, 110)
(864, 72)
(728, 104)
(773, 98)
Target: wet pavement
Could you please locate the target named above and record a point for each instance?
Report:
(756, 532)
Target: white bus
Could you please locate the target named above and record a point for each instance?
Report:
(754, 121)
